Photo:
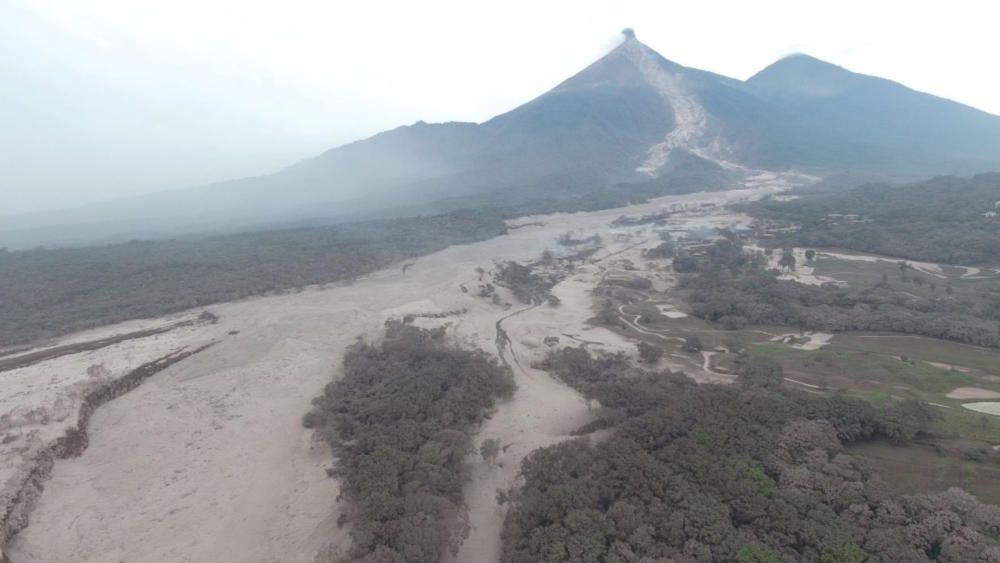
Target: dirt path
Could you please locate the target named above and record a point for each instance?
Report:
(543, 412)
(802, 383)
(706, 363)
(633, 323)
(503, 342)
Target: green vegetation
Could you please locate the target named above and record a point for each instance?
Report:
(956, 448)
(946, 219)
(757, 371)
(837, 367)
(925, 349)
(731, 473)
(932, 467)
(732, 288)
(884, 374)
(902, 277)
(880, 368)
(400, 423)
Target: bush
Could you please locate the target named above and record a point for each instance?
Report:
(649, 353)
(756, 371)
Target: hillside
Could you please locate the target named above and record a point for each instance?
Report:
(617, 121)
(880, 112)
(943, 219)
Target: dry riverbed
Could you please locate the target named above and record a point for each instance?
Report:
(207, 459)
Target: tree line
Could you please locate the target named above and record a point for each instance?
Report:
(46, 293)
(945, 219)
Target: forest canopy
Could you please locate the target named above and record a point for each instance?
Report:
(749, 473)
(400, 422)
(728, 285)
(45, 293)
(51, 292)
(945, 219)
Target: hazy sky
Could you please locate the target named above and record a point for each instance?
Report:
(104, 98)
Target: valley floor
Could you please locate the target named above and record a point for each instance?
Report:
(208, 459)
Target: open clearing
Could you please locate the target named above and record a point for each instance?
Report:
(922, 468)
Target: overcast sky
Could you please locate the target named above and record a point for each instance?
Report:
(105, 98)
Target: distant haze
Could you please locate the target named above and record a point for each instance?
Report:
(108, 98)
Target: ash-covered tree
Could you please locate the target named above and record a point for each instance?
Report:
(489, 450)
(649, 353)
(729, 473)
(400, 422)
(759, 372)
(787, 261)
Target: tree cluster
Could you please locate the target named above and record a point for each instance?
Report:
(528, 286)
(732, 287)
(945, 219)
(400, 422)
(749, 473)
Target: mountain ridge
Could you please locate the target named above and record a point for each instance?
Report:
(617, 120)
(877, 110)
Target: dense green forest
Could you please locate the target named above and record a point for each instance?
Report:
(726, 285)
(747, 473)
(400, 423)
(945, 219)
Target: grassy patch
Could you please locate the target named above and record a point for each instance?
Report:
(876, 372)
(860, 275)
(921, 468)
(961, 423)
(985, 360)
(838, 367)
